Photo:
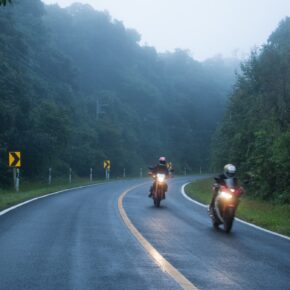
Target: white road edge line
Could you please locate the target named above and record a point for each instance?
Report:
(43, 196)
(239, 220)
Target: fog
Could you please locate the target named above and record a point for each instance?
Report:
(206, 28)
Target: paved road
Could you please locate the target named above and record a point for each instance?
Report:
(181, 231)
(77, 240)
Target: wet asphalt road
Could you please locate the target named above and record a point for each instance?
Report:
(181, 231)
(77, 240)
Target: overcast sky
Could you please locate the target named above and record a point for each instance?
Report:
(204, 27)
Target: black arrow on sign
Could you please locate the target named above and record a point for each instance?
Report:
(16, 159)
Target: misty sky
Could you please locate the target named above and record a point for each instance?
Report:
(204, 27)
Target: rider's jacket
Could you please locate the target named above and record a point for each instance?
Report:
(220, 179)
(159, 168)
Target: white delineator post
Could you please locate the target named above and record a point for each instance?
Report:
(49, 176)
(91, 175)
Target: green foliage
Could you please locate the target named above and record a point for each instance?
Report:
(4, 2)
(255, 132)
(76, 88)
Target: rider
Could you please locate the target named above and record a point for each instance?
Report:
(229, 172)
(161, 167)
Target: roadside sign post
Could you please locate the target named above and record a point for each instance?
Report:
(70, 175)
(185, 171)
(107, 167)
(49, 175)
(91, 175)
(14, 176)
(17, 184)
(14, 161)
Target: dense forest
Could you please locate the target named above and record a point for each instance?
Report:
(76, 88)
(255, 133)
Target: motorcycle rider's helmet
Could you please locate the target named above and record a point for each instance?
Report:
(229, 170)
(162, 161)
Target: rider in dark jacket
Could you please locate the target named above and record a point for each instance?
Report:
(161, 167)
(229, 172)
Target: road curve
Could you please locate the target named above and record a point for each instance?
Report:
(181, 231)
(78, 240)
(75, 240)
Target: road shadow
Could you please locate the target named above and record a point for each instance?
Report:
(161, 207)
(220, 232)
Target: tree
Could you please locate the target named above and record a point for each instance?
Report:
(77, 88)
(255, 132)
(4, 2)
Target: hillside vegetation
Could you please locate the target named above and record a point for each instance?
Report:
(76, 87)
(255, 133)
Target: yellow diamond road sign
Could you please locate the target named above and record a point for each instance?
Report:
(107, 164)
(15, 159)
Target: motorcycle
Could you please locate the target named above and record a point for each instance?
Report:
(226, 204)
(159, 188)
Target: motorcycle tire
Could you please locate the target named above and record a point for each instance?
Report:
(215, 220)
(228, 220)
(228, 225)
(215, 224)
(157, 202)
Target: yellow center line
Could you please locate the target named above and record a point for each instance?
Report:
(153, 253)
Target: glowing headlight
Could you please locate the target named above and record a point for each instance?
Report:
(160, 177)
(226, 195)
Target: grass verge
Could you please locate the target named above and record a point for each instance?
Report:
(30, 190)
(274, 217)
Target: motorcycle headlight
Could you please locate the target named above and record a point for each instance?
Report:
(160, 177)
(226, 195)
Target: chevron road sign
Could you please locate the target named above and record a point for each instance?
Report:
(107, 164)
(15, 159)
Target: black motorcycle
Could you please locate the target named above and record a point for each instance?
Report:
(226, 204)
